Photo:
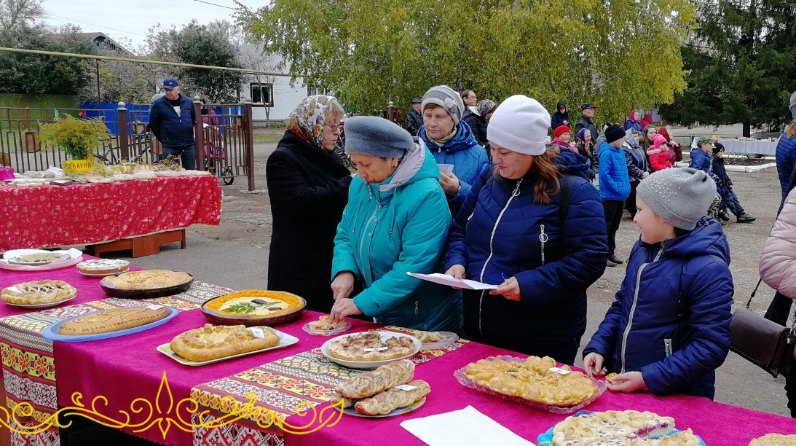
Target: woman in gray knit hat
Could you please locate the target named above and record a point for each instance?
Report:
(451, 141)
(679, 266)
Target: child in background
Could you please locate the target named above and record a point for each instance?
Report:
(724, 187)
(669, 327)
(659, 154)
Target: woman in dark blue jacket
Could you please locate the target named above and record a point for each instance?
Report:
(669, 327)
(512, 231)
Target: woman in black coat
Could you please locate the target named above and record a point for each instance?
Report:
(308, 189)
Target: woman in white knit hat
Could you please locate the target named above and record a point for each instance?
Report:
(537, 233)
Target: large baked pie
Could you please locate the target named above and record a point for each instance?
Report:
(533, 380)
(103, 266)
(774, 440)
(113, 320)
(146, 280)
(38, 292)
(254, 304)
(369, 346)
(214, 342)
(620, 427)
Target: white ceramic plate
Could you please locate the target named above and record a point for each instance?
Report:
(396, 412)
(306, 327)
(45, 305)
(370, 364)
(21, 259)
(285, 340)
(450, 338)
(103, 274)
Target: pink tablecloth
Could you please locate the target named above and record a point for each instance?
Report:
(80, 214)
(717, 424)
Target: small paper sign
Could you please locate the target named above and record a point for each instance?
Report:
(154, 307)
(375, 349)
(13, 289)
(406, 387)
(559, 371)
(257, 332)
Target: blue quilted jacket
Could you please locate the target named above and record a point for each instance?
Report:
(614, 179)
(468, 158)
(498, 232)
(786, 159)
(671, 316)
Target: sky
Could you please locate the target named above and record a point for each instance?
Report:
(133, 18)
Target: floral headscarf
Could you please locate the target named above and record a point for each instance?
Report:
(309, 117)
(485, 106)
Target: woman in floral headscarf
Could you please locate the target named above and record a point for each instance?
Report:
(308, 188)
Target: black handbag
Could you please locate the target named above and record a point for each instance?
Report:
(764, 343)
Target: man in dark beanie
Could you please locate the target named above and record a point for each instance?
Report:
(614, 184)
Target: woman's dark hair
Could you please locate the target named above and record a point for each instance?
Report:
(466, 93)
(644, 142)
(543, 173)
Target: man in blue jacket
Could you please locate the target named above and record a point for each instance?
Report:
(172, 121)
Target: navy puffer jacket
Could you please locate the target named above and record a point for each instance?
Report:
(674, 327)
(786, 159)
(498, 232)
(173, 130)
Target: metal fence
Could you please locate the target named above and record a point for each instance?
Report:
(224, 143)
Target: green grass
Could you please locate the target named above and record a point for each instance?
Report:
(268, 136)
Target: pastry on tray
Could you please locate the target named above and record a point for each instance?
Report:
(533, 380)
(147, 280)
(254, 304)
(774, 440)
(620, 427)
(427, 337)
(324, 323)
(38, 258)
(369, 346)
(38, 292)
(214, 342)
(394, 398)
(371, 383)
(103, 266)
(113, 320)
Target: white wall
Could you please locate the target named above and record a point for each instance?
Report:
(286, 98)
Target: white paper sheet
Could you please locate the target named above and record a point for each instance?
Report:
(460, 427)
(444, 279)
(446, 168)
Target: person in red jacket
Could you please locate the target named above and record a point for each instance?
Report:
(675, 148)
(659, 154)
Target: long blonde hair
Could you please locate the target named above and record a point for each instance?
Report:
(791, 130)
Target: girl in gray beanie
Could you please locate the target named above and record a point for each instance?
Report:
(678, 267)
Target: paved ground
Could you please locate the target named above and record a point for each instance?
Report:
(235, 254)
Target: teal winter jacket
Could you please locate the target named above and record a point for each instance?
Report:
(392, 228)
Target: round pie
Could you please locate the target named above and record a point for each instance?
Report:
(255, 304)
(628, 427)
(219, 341)
(146, 280)
(774, 440)
(103, 266)
(369, 346)
(38, 292)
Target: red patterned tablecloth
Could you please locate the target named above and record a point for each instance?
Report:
(28, 363)
(81, 214)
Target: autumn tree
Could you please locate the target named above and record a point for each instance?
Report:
(619, 55)
(741, 65)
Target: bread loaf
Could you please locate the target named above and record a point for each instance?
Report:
(392, 399)
(371, 383)
(347, 402)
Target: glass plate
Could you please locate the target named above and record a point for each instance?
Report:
(285, 340)
(394, 413)
(466, 382)
(546, 439)
(450, 338)
(44, 305)
(306, 327)
(103, 274)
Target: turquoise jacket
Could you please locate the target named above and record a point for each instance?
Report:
(393, 228)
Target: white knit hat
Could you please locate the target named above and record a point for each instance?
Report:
(519, 124)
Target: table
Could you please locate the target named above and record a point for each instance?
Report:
(760, 147)
(83, 214)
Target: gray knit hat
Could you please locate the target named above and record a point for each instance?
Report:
(679, 195)
(793, 104)
(372, 135)
(445, 97)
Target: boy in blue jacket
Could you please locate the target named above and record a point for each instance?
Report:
(614, 184)
(669, 328)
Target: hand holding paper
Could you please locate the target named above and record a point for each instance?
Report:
(444, 279)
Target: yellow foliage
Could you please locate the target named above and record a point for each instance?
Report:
(78, 137)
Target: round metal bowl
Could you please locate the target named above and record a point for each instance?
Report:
(217, 318)
(145, 294)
